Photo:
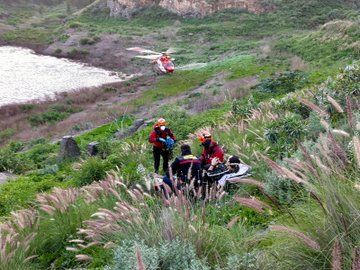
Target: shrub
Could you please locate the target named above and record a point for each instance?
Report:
(76, 53)
(248, 261)
(75, 25)
(284, 190)
(93, 169)
(55, 113)
(240, 108)
(288, 104)
(174, 255)
(125, 256)
(105, 148)
(110, 90)
(179, 255)
(39, 153)
(284, 134)
(89, 41)
(177, 119)
(6, 134)
(49, 117)
(27, 107)
(14, 162)
(58, 51)
(63, 38)
(324, 229)
(21, 193)
(314, 127)
(283, 83)
(348, 81)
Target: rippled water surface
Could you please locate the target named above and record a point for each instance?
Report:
(25, 75)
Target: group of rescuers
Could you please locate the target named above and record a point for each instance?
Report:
(209, 169)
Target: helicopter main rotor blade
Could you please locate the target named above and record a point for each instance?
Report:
(149, 57)
(192, 66)
(142, 50)
(170, 51)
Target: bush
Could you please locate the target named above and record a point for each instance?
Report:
(13, 162)
(177, 119)
(347, 83)
(58, 51)
(54, 114)
(314, 127)
(174, 255)
(125, 256)
(89, 41)
(292, 105)
(76, 53)
(27, 107)
(93, 169)
(284, 134)
(39, 153)
(75, 25)
(239, 108)
(283, 83)
(284, 190)
(179, 255)
(6, 134)
(246, 262)
(49, 117)
(63, 38)
(21, 193)
(105, 148)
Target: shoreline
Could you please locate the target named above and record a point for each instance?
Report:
(88, 108)
(122, 77)
(41, 49)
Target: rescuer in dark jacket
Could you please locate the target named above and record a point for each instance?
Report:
(186, 168)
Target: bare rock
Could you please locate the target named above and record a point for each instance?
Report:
(5, 177)
(69, 148)
(131, 130)
(93, 148)
(187, 8)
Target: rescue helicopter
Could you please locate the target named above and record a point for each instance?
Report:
(162, 62)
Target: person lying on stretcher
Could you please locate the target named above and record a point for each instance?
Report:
(234, 169)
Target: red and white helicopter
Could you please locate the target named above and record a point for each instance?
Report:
(163, 63)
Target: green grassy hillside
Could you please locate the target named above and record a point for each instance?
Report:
(280, 90)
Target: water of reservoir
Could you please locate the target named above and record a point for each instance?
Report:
(26, 76)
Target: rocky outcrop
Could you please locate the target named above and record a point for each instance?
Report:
(131, 130)
(5, 177)
(202, 7)
(189, 8)
(125, 8)
(69, 148)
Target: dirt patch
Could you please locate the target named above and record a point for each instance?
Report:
(297, 63)
(242, 83)
(214, 92)
(98, 106)
(4, 28)
(109, 51)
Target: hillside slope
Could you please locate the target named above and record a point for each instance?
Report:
(280, 90)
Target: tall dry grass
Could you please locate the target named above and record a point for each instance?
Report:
(326, 230)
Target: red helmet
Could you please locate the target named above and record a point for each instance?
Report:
(160, 122)
(204, 136)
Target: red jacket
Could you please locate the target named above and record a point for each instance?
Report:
(157, 133)
(214, 150)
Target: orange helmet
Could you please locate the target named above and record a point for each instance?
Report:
(204, 136)
(161, 122)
